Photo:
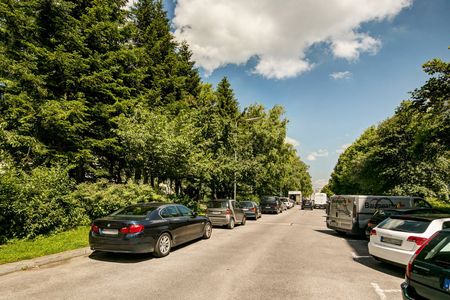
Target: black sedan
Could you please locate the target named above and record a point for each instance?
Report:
(150, 227)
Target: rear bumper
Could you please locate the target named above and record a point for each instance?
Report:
(133, 244)
(250, 214)
(269, 210)
(406, 291)
(219, 220)
(397, 256)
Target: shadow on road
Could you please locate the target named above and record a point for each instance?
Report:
(361, 254)
(121, 258)
(131, 258)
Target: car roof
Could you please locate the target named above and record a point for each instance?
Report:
(422, 217)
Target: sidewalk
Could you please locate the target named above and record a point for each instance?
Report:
(43, 260)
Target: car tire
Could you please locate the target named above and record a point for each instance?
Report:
(244, 220)
(207, 231)
(231, 224)
(163, 245)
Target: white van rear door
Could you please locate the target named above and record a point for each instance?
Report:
(341, 212)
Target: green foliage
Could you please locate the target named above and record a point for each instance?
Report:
(407, 154)
(37, 203)
(102, 198)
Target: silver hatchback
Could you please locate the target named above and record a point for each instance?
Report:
(225, 213)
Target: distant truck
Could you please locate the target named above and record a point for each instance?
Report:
(296, 196)
(351, 213)
(320, 200)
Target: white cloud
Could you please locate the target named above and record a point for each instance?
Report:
(319, 184)
(342, 149)
(341, 75)
(222, 32)
(314, 155)
(292, 141)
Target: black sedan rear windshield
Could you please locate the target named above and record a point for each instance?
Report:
(405, 225)
(246, 204)
(138, 210)
(218, 204)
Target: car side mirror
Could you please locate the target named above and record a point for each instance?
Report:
(194, 214)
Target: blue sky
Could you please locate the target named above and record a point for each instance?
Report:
(324, 113)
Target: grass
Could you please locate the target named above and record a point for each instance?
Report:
(17, 250)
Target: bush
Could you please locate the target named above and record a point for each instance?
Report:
(102, 198)
(186, 201)
(37, 203)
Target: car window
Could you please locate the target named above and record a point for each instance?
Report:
(437, 251)
(404, 225)
(246, 204)
(135, 210)
(418, 202)
(186, 212)
(235, 204)
(446, 225)
(169, 212)
(217, 204)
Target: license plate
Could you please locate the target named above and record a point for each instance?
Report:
(245, 209)
(267, 206)
(107, 231)
(391, 241)
(216, 212)
(446, 285)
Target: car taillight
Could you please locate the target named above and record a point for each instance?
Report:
(418, 240)
(373, 232)
(134, 228)
(228, 212)
(95, 229)
(411, 261)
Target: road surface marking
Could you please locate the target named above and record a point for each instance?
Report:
(382, 293)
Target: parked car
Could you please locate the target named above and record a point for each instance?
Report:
(286, 202)
(282, 204)
(225, 212)
(307, 203)
(292, 202)
(428, 271)
(382, 214)
(397, 238)
(251, 209)
(150, 227)
(270, 204)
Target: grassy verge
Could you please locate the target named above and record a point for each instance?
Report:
(17, 250)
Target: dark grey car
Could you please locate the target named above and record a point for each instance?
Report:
(225, 213)
(251, 209)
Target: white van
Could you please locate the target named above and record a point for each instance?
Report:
(296, 196)
(351, 213)
(320, 200)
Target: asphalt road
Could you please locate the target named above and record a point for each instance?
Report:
(288, 256)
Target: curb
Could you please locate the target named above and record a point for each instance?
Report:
(43, 260)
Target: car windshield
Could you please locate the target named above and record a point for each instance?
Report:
(405, 225)
(217, 204)
(135, 210)
(268, 200)
(246, 204)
